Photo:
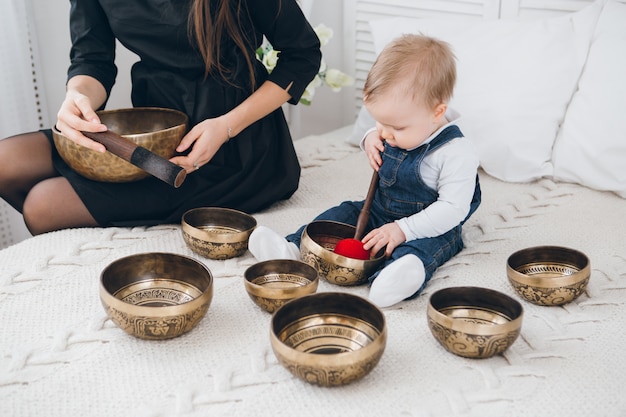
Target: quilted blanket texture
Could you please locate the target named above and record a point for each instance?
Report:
(61, 356)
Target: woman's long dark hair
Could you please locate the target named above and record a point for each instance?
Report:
(208, 32)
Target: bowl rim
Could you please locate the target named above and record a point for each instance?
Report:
(205, 235)
(184, 123)
(85, 163)
(583, 266)
(303, 304)
(151, 311)
(280, 293)
(488, 298)
(337, 259)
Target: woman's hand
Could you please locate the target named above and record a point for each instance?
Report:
(389, 235)
(77, 111)
(373, 145)
(206, 137)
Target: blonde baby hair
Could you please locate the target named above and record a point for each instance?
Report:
(422, 66)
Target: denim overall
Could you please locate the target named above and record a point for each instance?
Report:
(402, 193)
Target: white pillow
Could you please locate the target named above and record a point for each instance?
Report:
(364, 122)
(591, 146)
(515, 79)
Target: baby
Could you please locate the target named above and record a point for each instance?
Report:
(428, 183)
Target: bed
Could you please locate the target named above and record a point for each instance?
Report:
(61, 356)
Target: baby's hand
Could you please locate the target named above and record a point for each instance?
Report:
(373, 145)
(389, 235)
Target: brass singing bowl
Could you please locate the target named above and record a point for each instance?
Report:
(156, 129)
(328, 339)
(156, 295)
(319, 239)
(474, 322)
(270, 284)
(548, 275)
(217, 233)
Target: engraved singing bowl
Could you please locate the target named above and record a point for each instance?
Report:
(217, 233)
(548, 275)
(329, 338)
(319, 239)
(474, 322)
(270, 284)
(156, 295)
(156, 129)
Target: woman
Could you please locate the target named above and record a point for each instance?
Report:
(196, 56)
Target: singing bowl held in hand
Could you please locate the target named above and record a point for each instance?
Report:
(155, 129)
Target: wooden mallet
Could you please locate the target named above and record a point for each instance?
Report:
(141, 157)
(353, 248)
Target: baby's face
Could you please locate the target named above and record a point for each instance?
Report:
(402, 122)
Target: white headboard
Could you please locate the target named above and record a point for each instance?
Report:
(358, 43)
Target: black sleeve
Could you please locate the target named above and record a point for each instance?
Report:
(93, 44)
(286, 28)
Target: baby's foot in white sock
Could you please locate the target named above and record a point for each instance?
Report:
(265, 244)
(397, 281)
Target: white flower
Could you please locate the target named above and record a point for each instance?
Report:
(331, 77)
(336, 79)
(315, 82)
(270, 58)
(324, 33)
(308, 94)
(321, 70)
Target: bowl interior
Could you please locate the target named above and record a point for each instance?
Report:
(327, 234)
(139, 120)
(546, 262)
(156, 280)
(475, 315)
(220, 222)
(280, 274)
(324, 236)
(475, 309)
(158, 293)
(328, 333)
(281, 281)
(328, 323)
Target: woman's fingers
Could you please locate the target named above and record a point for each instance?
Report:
(76, 116)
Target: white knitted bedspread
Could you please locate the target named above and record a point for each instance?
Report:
(61, 356)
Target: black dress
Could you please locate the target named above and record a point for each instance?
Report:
(251, 171)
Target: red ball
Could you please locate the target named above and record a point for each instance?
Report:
(352, 248)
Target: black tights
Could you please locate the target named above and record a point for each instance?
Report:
(29, 183)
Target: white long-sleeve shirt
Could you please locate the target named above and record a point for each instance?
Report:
(451, 171)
